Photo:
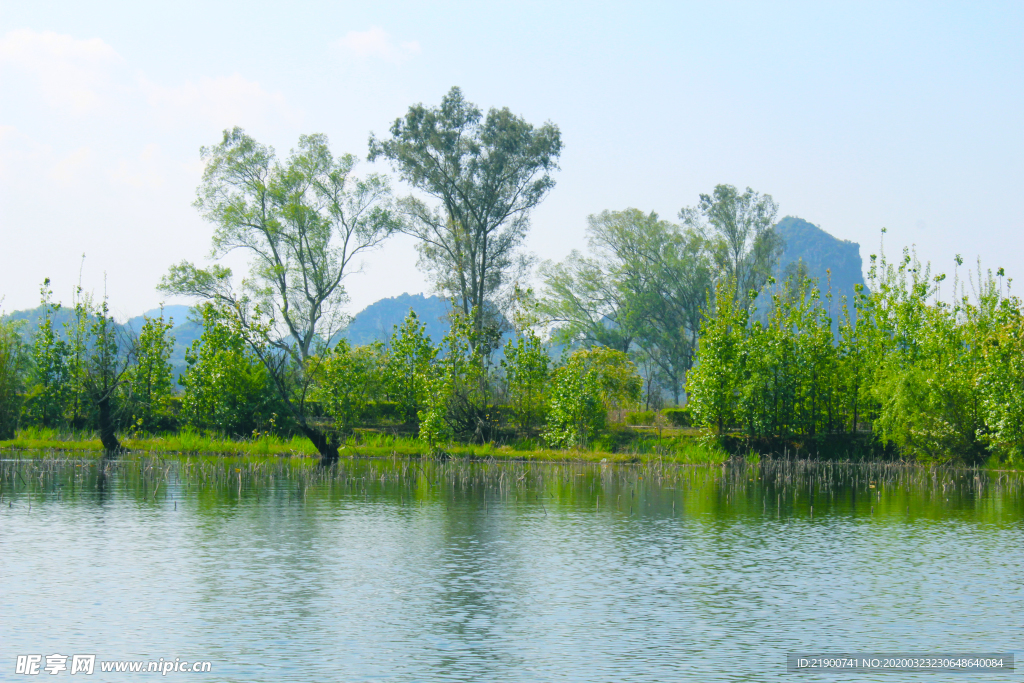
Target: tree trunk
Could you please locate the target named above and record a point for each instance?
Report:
(107, 436)
(327, 450)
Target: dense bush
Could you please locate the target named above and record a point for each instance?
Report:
(226, 389)
(347, 382)
(407, 365)
(13, 363)
(460, 389)
(677, 417)
(150, 401)
(576, 412)
(591, 383)
(939, 380)
(643, 417)
(526, 380)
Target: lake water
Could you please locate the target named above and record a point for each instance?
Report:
(400, 570)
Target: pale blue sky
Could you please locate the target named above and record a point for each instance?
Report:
(853, 116)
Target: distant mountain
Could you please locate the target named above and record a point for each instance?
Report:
(823, 254)
(184, 331)
(378, 320)
(823, 257)
(32, 317)
(179, 314)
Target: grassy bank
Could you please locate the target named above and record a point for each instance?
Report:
(670, 448)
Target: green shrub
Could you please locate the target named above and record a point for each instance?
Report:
(576, 412)
(386, 410)
(346, 382)
(149, 383)
(642, 417)
(227, 389)
(526, 376)
(678, 417)
(407, 367)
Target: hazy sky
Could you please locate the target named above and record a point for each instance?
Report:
(853, 116)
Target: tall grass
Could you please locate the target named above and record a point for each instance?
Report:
(682, 450)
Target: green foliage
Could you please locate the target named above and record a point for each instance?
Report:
(526, 375)
(302, 222)
(576, 411)
(226, 387)
(105, 370)
(619, 383)
(591, 383)
(150, 382)
(435, 429)
(740, 236)
(487, 174)
(52, 385)
(714, 383)
(790, 364)
(14, 360)
(643, 287)
(347, 382)
(384, 412)
(677, 417)
(641, 418)
(78, 411)
(458, 401)
(936, 380)
(1001, 380)
(929, 359)
(407, 366)
(584, 299)
(782, 377)
(79, 374)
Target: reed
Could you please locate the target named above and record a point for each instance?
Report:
(774, 488)
(682, 450)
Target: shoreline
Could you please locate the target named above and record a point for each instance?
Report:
(698, 455)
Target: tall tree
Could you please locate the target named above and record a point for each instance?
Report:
(151, 384)
(110, 355)
(586, 304)
(13, 366)
(600, 300)
(302, 222)
(52, 377)
(672, 302)
(712, 385)
(740, 234)
(487, 173)
(642, 290)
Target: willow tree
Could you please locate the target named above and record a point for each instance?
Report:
(602, 299)
(587, 305)
(643, 288)
(486, 175)
(302, 222)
